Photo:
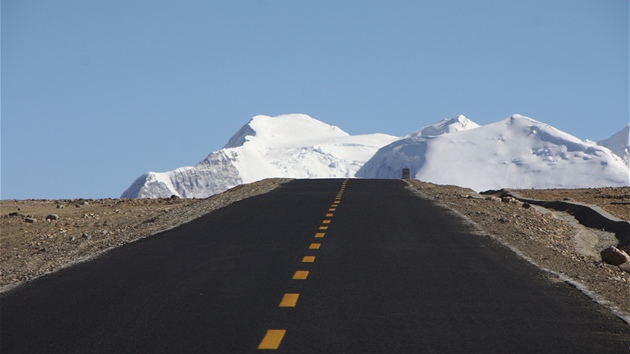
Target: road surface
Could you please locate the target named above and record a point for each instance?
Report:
(315, 266)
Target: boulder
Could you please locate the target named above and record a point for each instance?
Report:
(613, 255)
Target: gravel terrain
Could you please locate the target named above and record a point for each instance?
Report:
(34, 242)
(551, 240)
(41, 236)
(615, 201)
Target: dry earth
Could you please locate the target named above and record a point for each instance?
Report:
(83, 229)
(551, 240)
(32, 244)
(615, 201)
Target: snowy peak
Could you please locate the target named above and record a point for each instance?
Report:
(291, 145)
(619, 143)
(527, 129)
(445, 126)
(285, 129)
(517, 152)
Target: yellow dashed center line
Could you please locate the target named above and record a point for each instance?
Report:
(289, 300)
(300, 275)
(272, 339)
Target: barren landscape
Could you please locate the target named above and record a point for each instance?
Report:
(42, 236)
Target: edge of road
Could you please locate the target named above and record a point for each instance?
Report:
(623, 315)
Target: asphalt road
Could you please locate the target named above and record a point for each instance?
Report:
(316, 266)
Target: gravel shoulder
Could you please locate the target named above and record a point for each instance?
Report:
(553, 241)
(34, 242)
(43, 236)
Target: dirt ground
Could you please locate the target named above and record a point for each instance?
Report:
(615, 201)
(551, 240)
(33, 241)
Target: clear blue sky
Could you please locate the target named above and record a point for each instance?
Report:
(95, 93)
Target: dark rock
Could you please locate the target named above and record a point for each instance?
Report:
(613, 255)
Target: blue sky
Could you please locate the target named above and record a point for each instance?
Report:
(95, 93)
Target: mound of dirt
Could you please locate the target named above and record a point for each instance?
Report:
(615, 201)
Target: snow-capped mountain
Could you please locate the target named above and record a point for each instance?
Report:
(619, 143)
(517, 152)
(458, 123)
(293, 145)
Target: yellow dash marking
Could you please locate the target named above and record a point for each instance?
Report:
(308, 259)
(314, 246)
(323, 227)
(332, 209)
(326, 222)
(272, 339)
(329, 215)
(319, 235)
(300, 275)
(289, 300)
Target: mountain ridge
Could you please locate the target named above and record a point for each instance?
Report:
(517, 152)
(290, 145)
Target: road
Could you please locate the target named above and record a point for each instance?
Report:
(315, 266)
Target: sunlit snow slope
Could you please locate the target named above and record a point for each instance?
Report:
(293, 145)
(517, 152)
